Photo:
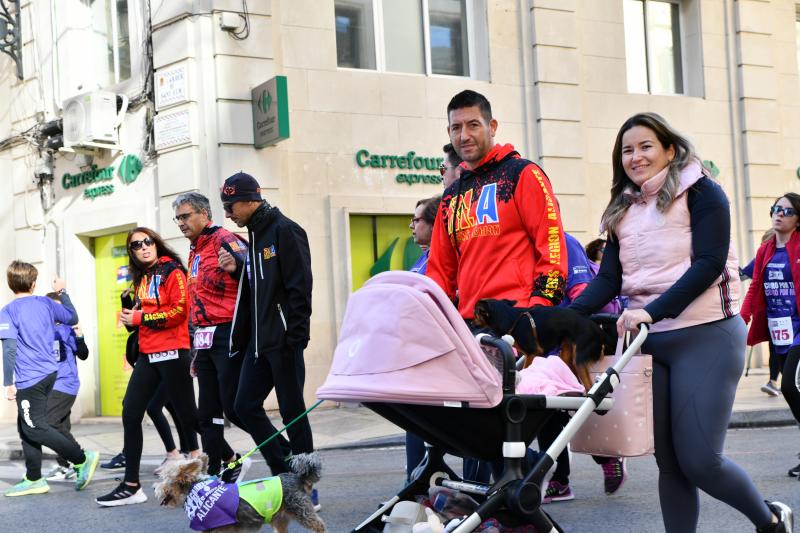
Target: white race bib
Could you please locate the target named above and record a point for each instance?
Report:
(781, 331)
(57, 351)
(162, 356)
(204, 338)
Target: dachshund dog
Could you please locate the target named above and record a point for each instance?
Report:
(540, 330)
(213, 505)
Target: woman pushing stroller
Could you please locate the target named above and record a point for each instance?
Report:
(669, 250)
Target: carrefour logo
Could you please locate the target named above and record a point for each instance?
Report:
(265, 101)
(129, 168)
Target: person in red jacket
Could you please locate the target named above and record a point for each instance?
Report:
(771, 302)
(498, 232)
(161, 314)
(212, 301)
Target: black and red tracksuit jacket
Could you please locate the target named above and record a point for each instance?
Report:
(212, 291)
(498, 234)
(163, 314)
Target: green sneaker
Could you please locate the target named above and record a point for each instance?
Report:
(26, 487)
(85, 470)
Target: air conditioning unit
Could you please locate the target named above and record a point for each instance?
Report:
(91, 120)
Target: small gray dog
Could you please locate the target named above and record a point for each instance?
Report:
(213, 505)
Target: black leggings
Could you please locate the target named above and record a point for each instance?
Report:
(35, 431)
(142, 386)
(155, 410)
(776, 362)
(695, 373)
(790, 384)
(218, 380)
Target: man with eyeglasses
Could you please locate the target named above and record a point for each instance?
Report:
(272, 320)
(450, 169)
(212, 300)
(421, 229)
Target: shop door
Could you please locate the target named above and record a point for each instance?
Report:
(379, 243)
(111, 263)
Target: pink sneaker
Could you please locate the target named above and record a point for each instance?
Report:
(614, 474)
(556, 492)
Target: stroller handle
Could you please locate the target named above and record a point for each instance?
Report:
(509, 360)
(604, 318)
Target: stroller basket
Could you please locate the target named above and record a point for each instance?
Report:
(406, 353)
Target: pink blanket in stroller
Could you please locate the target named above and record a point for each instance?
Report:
(549, 376)
(403, 341)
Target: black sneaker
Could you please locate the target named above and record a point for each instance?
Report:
(124, 494)
(795, 472)
(784, 515)
(236, 474)
(118, 461)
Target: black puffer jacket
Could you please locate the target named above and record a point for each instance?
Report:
(273, 311)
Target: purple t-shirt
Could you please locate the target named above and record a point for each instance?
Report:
(212, 504)
(578, 265)
(67, 380)
(31, 321)
(782, 319)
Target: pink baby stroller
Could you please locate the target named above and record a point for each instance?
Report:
(405, 353)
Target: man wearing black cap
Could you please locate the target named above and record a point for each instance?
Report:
(271, 322)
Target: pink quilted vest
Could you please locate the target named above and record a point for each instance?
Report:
(656, 250)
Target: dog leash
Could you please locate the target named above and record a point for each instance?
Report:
(238, 461)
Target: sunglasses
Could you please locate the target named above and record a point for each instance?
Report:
(417, 220)
(779, 209)
(228, 207)
(138, 245)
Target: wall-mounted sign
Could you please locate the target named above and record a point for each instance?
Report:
(270, 112)
(130, 167)
(171, 86)
(172, 129)
(409, 161)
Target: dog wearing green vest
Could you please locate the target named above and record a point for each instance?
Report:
(213, 505)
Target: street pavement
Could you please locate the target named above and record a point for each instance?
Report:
(356, 480)
(364, 464)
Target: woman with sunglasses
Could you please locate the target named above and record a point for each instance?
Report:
(771, 302)
(161, 314)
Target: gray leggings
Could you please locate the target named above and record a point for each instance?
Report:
(695, 373)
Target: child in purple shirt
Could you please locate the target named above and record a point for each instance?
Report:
(30, 364)
(65, 390)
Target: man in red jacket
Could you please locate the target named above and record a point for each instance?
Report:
(212, 300)
(498, 232)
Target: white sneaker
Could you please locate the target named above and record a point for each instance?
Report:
(124, 494)
(61, 473)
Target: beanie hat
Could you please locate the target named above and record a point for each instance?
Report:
(240, 187)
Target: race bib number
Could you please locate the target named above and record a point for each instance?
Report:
(781, 331)
(57, 351)
(162, 356)
(204, 337)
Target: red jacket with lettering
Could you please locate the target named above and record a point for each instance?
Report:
(498, 234)
(755, 303)
(163, 316)
(212, 291)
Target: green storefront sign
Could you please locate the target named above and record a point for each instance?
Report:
(410, 161)
(129, 169)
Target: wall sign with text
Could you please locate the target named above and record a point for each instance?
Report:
(414, 164)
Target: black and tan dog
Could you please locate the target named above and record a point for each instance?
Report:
(540, 330)
(229, 508)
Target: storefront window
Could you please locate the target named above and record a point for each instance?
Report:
(447, 37)
(653, 46)
(379, 243)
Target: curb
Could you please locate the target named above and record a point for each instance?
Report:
(10, 450)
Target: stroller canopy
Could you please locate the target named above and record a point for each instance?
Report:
(403, 341)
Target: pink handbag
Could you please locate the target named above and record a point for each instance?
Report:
(627, 429)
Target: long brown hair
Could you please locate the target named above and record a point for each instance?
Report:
(667, 136)
(137, 270)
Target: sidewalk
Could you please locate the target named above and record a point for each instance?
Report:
(355, 427)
